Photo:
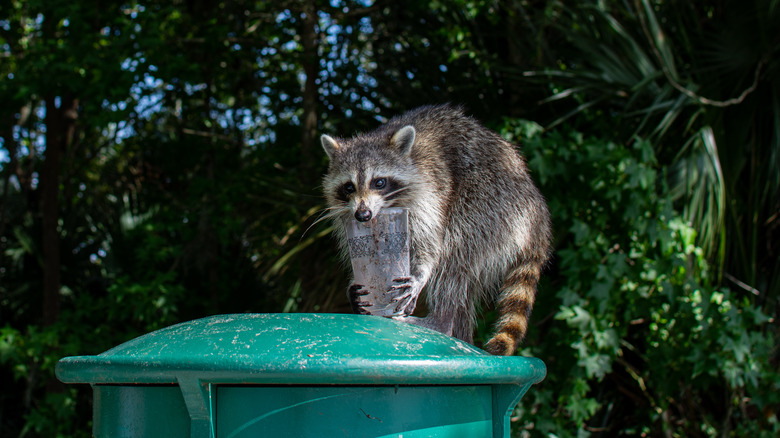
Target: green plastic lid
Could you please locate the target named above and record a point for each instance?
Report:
(299, 375)
(298, 349)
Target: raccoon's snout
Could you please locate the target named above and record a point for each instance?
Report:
(363, 214)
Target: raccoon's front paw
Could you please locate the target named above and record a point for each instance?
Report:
(403, 294)
(356, 294)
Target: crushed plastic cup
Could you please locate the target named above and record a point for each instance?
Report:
(379, 251)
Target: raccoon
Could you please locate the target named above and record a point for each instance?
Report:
(478, 224)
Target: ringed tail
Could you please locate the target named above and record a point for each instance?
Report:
(515, 302)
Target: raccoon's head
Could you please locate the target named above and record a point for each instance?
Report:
(368, 173)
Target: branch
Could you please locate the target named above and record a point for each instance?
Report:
(741, 284)
(684, 90)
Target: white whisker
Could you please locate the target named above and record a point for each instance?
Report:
(394, 192)
(326, 213)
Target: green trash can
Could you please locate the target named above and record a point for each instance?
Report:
(300, 375)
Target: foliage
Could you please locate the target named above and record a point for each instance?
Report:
(637, 338)
(699, 81)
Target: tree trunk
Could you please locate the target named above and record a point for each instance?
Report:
(6, 133)
(311, 66)
(60, 129)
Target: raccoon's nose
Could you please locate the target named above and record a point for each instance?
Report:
(363, 214)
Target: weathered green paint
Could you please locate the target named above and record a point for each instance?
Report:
(301, 375)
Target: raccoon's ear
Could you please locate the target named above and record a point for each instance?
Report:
(330, 145)
(404, 139)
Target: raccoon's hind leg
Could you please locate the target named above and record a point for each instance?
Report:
(445, 327)
(453, 322)
(515, 302)
(406, 296)
(450, 310)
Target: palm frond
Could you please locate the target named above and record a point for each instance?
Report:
(698, 181)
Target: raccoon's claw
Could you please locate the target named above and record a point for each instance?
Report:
(356, 289)
(401, 289)
(403, 292)
(403, 283)
(355, 292)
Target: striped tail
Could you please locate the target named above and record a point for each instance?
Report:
(515, 302)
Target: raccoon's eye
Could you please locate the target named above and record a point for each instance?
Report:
(345, 191)
(380, 183)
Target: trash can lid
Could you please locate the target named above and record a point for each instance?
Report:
(298, 349)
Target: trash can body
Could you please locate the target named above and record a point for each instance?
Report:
(140, 411)
(349, 411)
(300, 375)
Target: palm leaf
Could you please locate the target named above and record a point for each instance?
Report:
(697, 179)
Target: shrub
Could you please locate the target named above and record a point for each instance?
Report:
(636, 337)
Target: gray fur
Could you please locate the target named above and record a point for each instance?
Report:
(476, 219)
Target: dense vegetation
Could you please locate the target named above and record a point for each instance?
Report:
(159, 161)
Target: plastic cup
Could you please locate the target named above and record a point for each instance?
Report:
(379, 251)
